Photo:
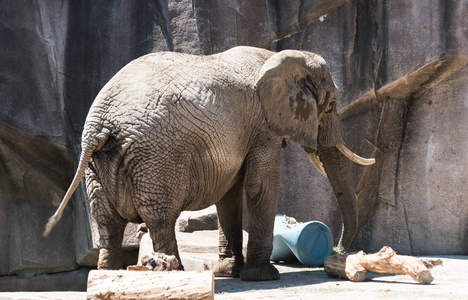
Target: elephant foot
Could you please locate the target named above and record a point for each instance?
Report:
(109, 260)
(259, 272)
(228, 267)
(161, 262)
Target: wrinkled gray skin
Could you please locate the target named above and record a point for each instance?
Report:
(173, 132)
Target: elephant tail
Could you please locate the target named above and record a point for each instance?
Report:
(87, 151)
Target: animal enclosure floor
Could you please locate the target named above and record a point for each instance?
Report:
(298, 282)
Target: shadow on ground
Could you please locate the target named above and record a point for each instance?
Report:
(292, 275)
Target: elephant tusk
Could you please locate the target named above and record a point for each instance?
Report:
(316, 162)
(354, 157)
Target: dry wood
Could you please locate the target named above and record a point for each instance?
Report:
(355, 266)
(122, 284)
(137, 268)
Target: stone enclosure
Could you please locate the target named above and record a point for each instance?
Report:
(401, 67)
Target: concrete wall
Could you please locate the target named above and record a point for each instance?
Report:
(400, 66)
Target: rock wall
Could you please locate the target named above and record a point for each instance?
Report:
(400, 66)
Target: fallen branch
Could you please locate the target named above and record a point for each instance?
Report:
(355, 266)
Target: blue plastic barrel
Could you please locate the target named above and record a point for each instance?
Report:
(310, 242)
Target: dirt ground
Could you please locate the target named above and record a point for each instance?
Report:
(298, 282)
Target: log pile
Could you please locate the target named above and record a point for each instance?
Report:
(355, 266)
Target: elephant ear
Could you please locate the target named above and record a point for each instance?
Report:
(287, 87)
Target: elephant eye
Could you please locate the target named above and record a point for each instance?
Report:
(327, 96)
(331, 106)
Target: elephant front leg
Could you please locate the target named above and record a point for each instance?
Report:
(231, 259)
(260, 245)
(262, 189)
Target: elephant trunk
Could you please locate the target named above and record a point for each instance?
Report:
(338, 167)
(335, 163)
(339, 172)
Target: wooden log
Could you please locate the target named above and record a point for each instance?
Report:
(355, 266)
(137, 268)
(345, 266)
(123, 284)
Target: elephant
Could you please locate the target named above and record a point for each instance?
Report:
(173, 132)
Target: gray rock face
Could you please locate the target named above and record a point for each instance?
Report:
(400, 67)
(64, 281)
(205, 219)
(34, 174)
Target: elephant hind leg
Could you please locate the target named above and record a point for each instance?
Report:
(111, 225)
(160, 192)
(162, 234)
(110, 246)
(231, 259)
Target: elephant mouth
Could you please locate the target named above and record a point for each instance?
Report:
(317, 163)
(346, 152)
